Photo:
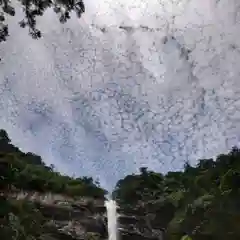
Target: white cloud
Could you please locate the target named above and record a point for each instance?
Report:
(104, 104)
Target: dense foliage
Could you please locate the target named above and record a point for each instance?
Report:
(201, 201)
(22, 219)
(33, 9)
(27, 171)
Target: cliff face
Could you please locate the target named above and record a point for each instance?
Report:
(137, 224)
(37, 202)
(65, 218)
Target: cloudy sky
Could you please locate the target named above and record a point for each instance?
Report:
(130, 84)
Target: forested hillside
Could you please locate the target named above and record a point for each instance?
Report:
(27, 171)
(21, 219)
(202, 201)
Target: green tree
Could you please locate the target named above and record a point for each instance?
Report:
(27, 171)
(4, 138)
(201, 201)
(33, 9)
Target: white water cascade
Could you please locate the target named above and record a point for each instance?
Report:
(112, 219)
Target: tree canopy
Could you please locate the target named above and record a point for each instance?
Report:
(34, 8)
(21, 219)
(201, 202)
(27, 171)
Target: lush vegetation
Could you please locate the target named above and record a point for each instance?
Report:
(201, 201)
(27, 171)
(21, 219)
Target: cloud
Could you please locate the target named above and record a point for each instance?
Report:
(104, 103)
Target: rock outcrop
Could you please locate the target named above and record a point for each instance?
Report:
(85, 218)
(136, 224)
(67, 218)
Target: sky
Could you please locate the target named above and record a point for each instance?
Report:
(129, 84)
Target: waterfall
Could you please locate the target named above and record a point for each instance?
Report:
(112, 219)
